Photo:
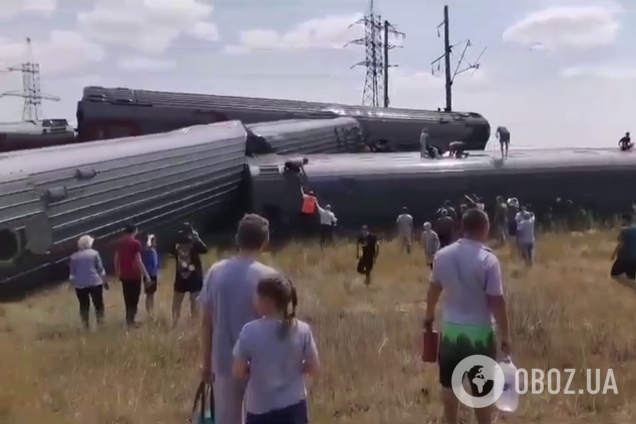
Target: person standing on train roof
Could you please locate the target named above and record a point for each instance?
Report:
(504, 140)
(131, 272)
(328, 223)
(625, 143)
(404, 223)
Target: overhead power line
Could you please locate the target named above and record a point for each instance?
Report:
(450, 74)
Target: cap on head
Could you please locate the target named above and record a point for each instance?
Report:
(328, 207)
(427, 226)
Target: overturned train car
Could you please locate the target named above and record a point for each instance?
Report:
(51, 196)
(120, 112)
(338, 135)
(371, 189)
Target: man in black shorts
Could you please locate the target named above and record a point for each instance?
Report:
(624, 256)
(188, 271)
(368, 243)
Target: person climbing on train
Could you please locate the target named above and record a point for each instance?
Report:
(367, 251)
(188, 277)
(430, 243)
(151, 262)
(88, 277)
(444, 227)
(404, 224)
(308, 211)
(328, 223)
(625, 143)
(503, 135)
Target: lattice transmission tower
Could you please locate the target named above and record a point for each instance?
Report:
(31, 91)
(377, 45)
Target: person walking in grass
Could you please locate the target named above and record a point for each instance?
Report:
(151, 262)
(367, 251)
(188, 277)
(467, 276)
(430, 243)
(274, 354)
(526, 237)
(87, 275)
(227, 302)
(404, 223)
(624, 255)
(130, 270)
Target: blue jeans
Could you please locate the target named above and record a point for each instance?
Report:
(293, 414)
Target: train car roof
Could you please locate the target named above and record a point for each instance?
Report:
(20, 163)
(294, 125)
(205, 101)
(409, 164)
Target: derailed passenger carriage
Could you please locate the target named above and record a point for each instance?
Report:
(118, 112)
(371, 189)
(52, 196)
(336, 135)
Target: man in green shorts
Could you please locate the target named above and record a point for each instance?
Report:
(469, 275)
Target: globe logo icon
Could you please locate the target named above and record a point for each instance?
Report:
(485, 377)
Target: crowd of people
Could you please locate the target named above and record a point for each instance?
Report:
(136, 267)
(256, 353)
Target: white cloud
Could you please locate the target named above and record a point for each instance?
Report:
(149, 26)
(558, 27)
(404, 78)
(63, 51)
(617, 73)
(139, 63)
(330, 32)
(11, 8)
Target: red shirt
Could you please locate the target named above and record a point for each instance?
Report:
(127, 252)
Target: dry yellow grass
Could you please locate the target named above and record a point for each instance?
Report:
(566, 313)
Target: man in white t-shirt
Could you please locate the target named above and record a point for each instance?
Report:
(405, 229)
(328, 222)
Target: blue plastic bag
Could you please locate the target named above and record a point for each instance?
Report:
(203, 406)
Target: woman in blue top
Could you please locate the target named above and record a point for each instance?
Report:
(275, 353)
(151, 262)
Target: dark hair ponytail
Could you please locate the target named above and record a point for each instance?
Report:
(289, 316)
(283, 294)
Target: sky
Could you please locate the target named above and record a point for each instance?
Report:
(557, 73)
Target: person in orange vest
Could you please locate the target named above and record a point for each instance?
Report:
(308, 212)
